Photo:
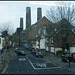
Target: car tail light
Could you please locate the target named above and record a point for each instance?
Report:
(65, 57)
(73, 56)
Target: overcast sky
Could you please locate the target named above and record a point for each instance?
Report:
(11, 11)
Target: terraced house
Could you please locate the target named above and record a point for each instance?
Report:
(48, 36)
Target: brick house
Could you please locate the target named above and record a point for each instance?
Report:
(63, 33)
(48, 36)
(36, 33)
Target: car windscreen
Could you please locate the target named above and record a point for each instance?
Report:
(67, 55)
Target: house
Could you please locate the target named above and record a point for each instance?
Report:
(62, 34)
(35, 34)
(49, 36)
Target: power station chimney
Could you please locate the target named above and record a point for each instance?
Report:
(28, 17)
(39, 13)
(21, 23)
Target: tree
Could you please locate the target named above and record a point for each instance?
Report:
(7, 26)
(63, 18)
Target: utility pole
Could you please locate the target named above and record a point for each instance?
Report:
(67, 46)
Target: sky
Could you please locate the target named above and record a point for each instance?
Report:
(11, 11)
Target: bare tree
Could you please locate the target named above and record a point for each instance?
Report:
(7, 26)
(62, 10)
(63, 18)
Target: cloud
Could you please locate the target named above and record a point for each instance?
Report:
(49, 3)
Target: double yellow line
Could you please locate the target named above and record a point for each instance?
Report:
(6, 65)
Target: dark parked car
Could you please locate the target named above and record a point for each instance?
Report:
(65, 57)
(21, 53)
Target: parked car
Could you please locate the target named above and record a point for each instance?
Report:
(65, 57)
(21, 53)
(73, 57)
(16, 49)
(33, 51)
(38, 53)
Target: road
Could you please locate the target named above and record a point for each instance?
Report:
(30, 64)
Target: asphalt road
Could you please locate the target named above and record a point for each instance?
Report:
(30, 64)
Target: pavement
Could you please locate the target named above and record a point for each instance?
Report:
(58, 62)
(4, 59)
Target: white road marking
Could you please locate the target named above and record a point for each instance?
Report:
(30, 63)
(42, 68)
(41, 64)
(22, 59)
(47, 68)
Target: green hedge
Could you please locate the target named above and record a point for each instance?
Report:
(59, 53)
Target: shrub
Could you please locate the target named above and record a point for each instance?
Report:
(59, 53)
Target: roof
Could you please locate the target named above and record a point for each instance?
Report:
(61, 25)
(40, 21)
(64, 23)
(73, 30)
(43, 19)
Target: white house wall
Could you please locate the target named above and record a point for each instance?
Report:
(72, 49)
(52, 49)
(37, 46)
(1, 44)
(58, 49)
(34, 46)
(42, 44)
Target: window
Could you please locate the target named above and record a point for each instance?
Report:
(24, 38)
(39, 30)
(51, 40)
(52, 49)
(44, 29)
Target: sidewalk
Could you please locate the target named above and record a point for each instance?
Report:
(58, 62)
(6, 58)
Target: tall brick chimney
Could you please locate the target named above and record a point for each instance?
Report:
(28, 17)
(39, 13)
(21, 22)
